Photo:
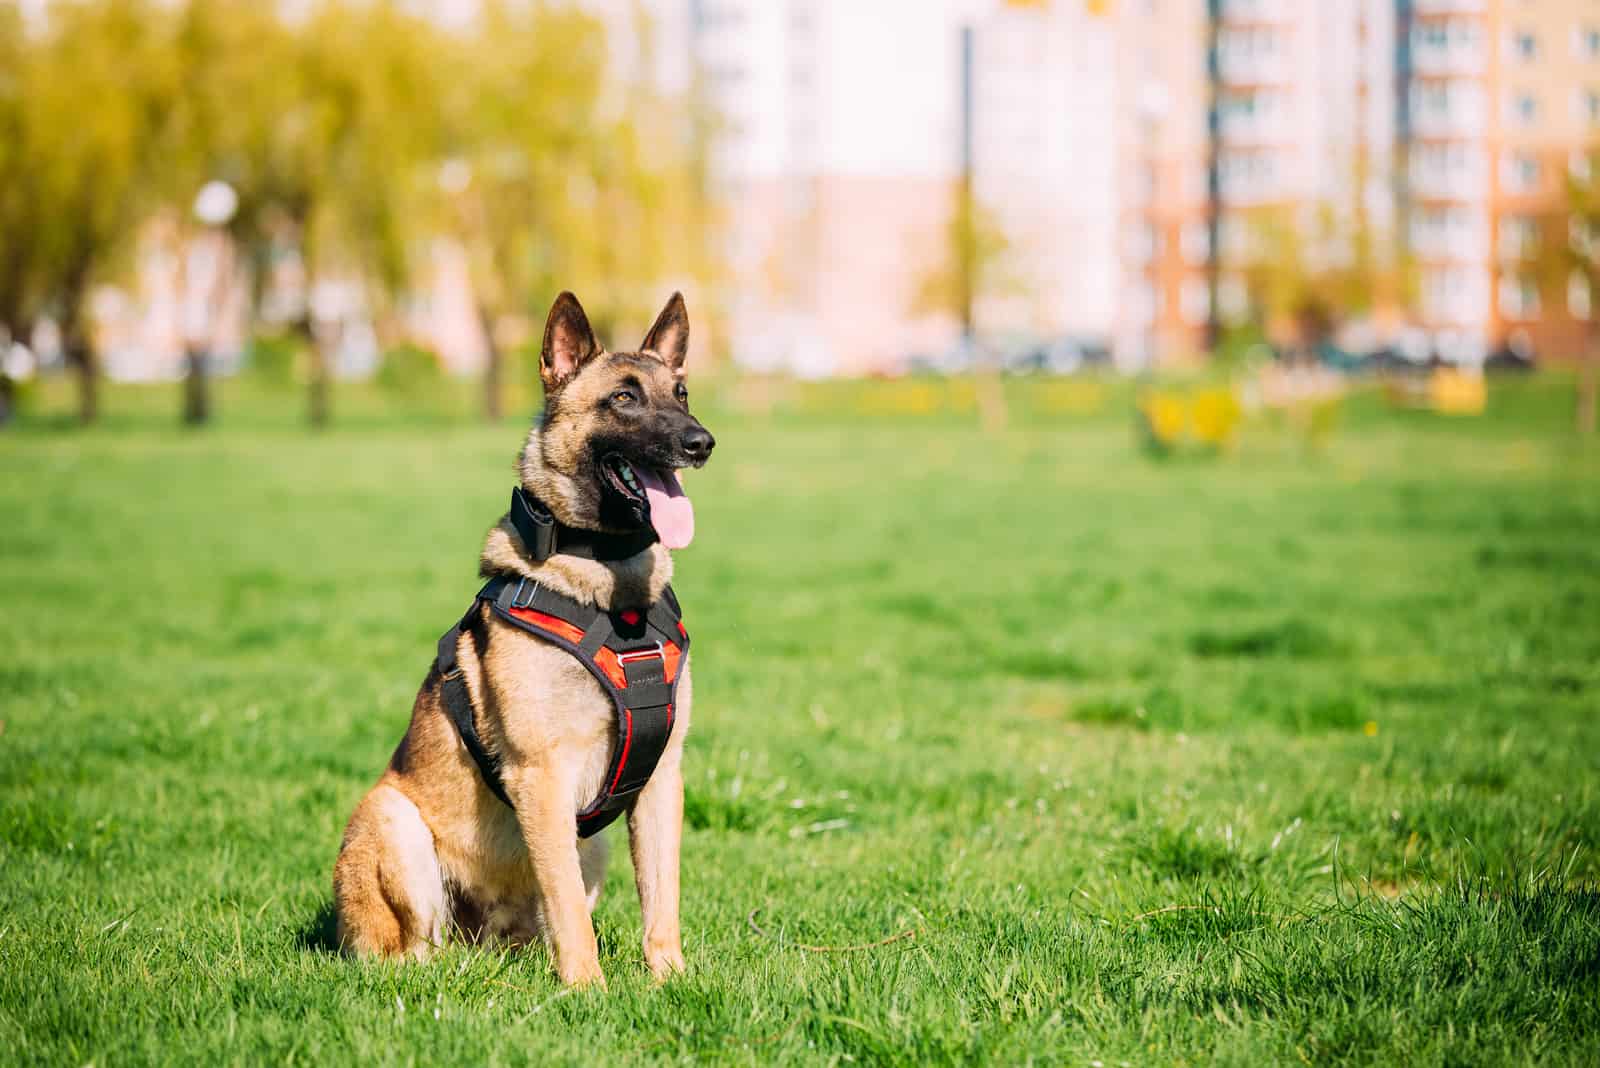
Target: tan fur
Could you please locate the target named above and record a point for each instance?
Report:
(430, 849)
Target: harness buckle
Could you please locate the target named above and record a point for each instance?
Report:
(633, 656)
(516, 595)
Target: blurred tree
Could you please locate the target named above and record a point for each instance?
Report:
(559, 179)
(1578, 259)
(973, 267)
(324, 128)
(517, 158)
(73, 178)
(334, 128)
(1306, 274)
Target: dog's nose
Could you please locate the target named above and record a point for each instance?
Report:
(698, 443)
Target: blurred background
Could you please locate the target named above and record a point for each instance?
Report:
(317, 191)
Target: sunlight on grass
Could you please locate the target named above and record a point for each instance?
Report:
(1271, 758)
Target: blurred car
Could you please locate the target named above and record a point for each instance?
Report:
(1514, 355)
(1063, 355)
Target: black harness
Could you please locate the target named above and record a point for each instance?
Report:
(636, 656)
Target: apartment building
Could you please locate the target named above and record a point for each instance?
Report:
(1133, 154)
(836, 165)
(1165, 216)
(1442, 131)
(1542, 97)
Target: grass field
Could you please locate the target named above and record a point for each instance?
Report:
(1280, 758)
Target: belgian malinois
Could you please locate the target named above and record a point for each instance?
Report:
(431, 850)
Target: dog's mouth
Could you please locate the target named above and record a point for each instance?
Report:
(654, 496)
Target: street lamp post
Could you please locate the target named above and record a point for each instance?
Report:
(206, 273)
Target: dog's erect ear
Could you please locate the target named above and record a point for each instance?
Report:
(568, 342)
(669, 338)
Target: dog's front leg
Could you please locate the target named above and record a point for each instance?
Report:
(548, 821)
(655, 832)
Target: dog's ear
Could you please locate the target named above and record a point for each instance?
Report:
(568, 342)
(669, 338)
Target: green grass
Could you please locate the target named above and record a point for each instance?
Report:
(1276, 758)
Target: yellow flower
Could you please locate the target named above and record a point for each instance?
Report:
(1370, 728)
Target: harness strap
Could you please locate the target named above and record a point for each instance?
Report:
(458, 706)
(626, 652)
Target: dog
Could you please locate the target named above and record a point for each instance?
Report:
(432, 850)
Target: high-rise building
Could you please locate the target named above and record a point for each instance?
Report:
(1138, 158)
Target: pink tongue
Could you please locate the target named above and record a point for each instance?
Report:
(671, 513)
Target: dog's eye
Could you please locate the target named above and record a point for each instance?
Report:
(623, 396)
(682, 392)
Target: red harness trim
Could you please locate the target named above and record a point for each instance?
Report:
(555, 626)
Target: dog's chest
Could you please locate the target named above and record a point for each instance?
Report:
(551, 711)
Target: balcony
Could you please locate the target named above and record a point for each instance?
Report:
(1429, 183)
(1448, 109)
(1244, 68)
(1252, 117)
(1452, 235)
(1435, 60)
(1449, 7)
(1248, 177)
(1262, 11)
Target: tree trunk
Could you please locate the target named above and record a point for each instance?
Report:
(82, 360)
(318, 392)
(79, 354)
(196, 387)
(493, 367)
(318, 398)
(1588, 374)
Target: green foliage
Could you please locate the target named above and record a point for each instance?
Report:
(409, 369)
(274, 359)
(74, 179)
(335, 128)
(1286, 759)
(973, 264)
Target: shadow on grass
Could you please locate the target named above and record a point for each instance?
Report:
(319, 933)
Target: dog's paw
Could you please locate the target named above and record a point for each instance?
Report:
(664, 960)
(586, 974)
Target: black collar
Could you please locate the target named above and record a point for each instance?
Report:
(543, 535)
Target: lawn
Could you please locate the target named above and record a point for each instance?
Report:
(1273, 758)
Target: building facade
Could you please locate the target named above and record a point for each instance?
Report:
(1149, 163)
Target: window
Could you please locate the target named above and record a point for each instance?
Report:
(1447, 103)
(1522, 108)
(1194, 300)
(1449, 231)
(1451, 167)
(1519, 236)
(1448, 292)
(1579, 237)
(1586, 42)
(1142, 304)
(1440, 40)
(1246, 174)
(1246, 47)
(1144, 243)
(1525, 46)
(1586, 103)
(1248, 110)
(1578, 297)
(1233, 298)
(1519, 297)
(1520, 172)
(1236, 238)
